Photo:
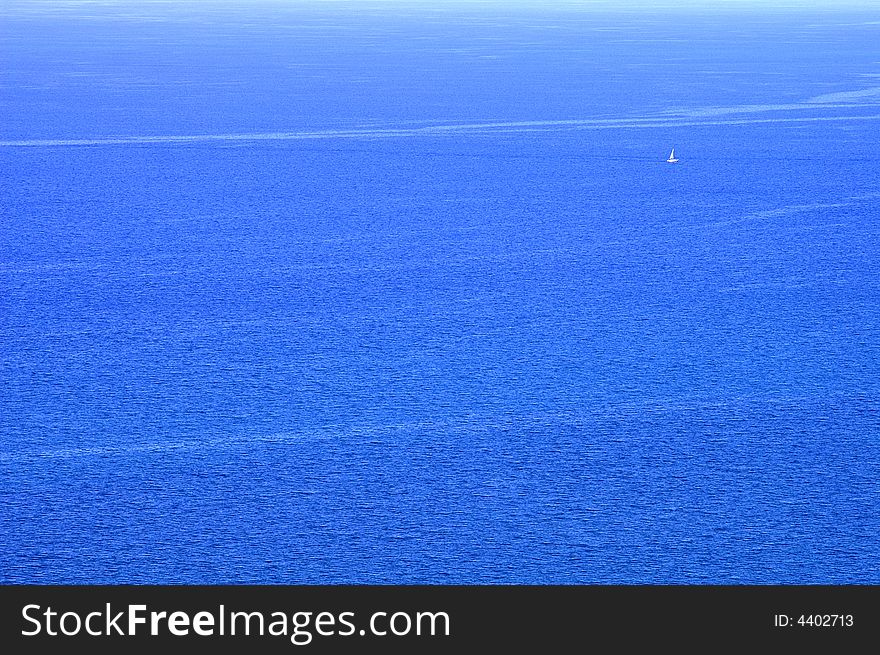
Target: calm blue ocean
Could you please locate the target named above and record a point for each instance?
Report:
(336, 293)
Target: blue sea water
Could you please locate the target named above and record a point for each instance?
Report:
(380, 293)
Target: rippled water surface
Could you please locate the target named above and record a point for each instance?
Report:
(308, 294)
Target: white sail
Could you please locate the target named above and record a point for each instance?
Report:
(672, 158)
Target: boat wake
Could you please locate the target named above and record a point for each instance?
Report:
(453, 129)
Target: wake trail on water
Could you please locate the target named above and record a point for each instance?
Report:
(789, 210)
(479, 129)
(590, 421)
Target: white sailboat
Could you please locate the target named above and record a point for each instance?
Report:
(672, 159)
